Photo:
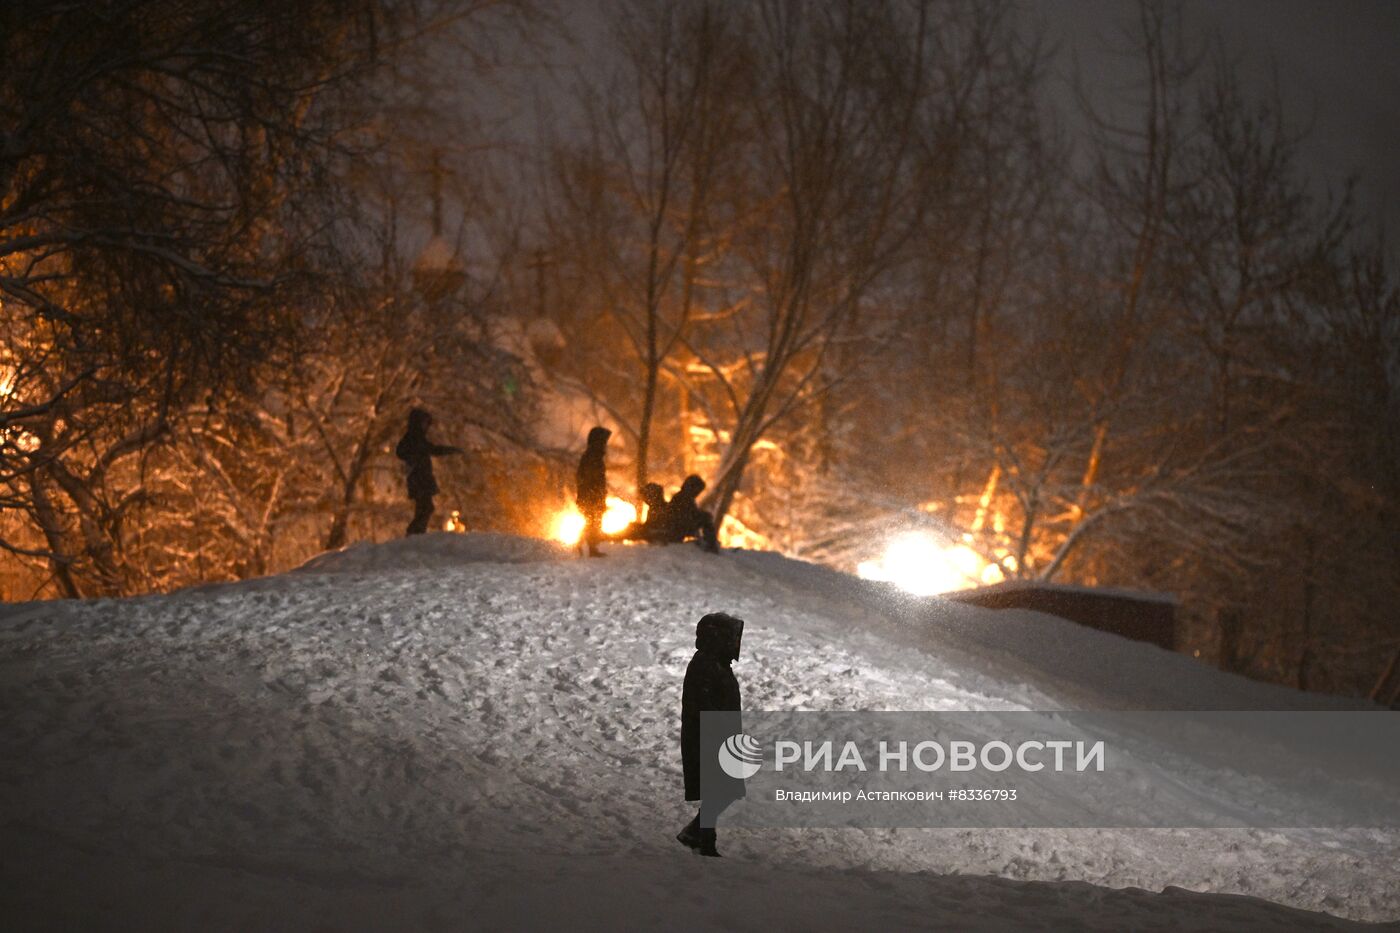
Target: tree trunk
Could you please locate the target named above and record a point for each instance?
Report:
(340, 524)
(58, 560)
(648, 407)
(1309, 604)
(1230, 622)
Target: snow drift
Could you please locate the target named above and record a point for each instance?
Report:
(455, 732)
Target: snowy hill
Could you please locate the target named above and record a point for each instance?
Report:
(458, 732)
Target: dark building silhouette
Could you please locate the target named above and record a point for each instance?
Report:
(1149, 617)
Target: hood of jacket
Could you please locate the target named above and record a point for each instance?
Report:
(598, 437)
(653, 495)
(692, 487)
(720, 634)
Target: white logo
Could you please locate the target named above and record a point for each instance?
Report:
(741, 756)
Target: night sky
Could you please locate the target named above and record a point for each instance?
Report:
(1336, 60)
(1337, 65)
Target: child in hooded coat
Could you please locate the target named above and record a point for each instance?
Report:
(648, 530)
(417, 453)
(591, 489)
(710, 687)
(683, 518)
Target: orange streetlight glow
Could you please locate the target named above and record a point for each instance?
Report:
(921, 564)
(567, 526)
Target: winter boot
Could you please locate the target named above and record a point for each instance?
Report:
(707, 844)
(690, 836)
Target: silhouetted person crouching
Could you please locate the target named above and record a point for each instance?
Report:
(591, 488)
(710, 687)
(417, 453)
(649, 528)
(683, 518)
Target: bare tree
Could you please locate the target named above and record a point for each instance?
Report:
(856, 121)
(171, 209)
(632, 218)
(161, 188)
(925, 349)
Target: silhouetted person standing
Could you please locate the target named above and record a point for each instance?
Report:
(683, 518)
(710, 687)
(591, 489)
(417, 453)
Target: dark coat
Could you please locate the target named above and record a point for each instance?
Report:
(683, 518)
(591, 480)
(710, 686)
(654, 497)
(417, 453)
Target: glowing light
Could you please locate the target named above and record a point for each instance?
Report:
(567, 527)
(735, 534)
(920, 563)
(619, 515)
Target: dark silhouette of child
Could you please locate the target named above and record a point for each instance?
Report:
(591, 490)
(710, 687)
(683, 518)
(417, 453)
(649, 528)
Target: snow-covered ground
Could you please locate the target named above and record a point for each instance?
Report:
(461, 732)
